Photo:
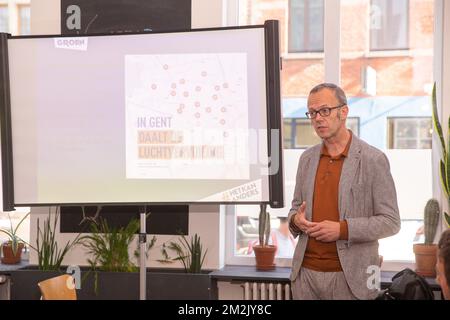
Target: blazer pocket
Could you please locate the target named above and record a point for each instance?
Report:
(358, 198)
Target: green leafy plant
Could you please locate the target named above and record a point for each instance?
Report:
(109, 246)
(190, 253)
(50, 255)
(264, 226)
(14, 239)
(444, 164)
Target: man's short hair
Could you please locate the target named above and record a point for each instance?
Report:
(338, 92)
(444, 253)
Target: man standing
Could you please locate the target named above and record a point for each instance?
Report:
(344, 201)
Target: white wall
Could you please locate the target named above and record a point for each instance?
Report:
(206, 220)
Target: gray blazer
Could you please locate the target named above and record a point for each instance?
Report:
(367, 200)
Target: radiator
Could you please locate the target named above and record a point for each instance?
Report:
(266, 291)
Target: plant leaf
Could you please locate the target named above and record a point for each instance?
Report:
(447, 219)
(436, 122)
(442, 175)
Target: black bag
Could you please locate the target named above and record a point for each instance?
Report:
(407, 285)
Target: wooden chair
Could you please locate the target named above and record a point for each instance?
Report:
(58, 288)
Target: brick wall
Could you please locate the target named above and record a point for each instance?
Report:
(403, 73)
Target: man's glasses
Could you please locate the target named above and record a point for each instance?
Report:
(324, 112)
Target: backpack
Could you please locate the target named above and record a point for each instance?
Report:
(407, 285)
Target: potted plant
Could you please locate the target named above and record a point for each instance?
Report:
(444, 168)
(50, 257)
(264, 253)
(116, 276)
(190, 253)
(426, 252)
(112, 274)
(12, 249)
(190, 283)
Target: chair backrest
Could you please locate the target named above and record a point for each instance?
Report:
(58, 288)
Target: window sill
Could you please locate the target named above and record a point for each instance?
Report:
(303, 56)
(388, 53)
(281, 274)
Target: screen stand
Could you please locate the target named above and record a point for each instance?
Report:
(142, 255)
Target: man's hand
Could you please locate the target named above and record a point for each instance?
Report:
(300, 219)
(325, 231)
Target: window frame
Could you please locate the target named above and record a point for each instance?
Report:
(21, 6)
(305, 40)
(5, 6)
(332, 60)
(293, 132)
(230, 238)
(385, 48)
(391, 137)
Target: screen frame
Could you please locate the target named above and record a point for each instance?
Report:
(273, 105)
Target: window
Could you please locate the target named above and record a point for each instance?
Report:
(409, 133)
(247, 234)
(389, 24)
(24, 20)
(392, 99)
(4, 19)
(306, 25)
(397, 87)
(24, 230)
(299, 133)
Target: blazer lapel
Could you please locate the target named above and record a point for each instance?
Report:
(310, 181)
(349, 171)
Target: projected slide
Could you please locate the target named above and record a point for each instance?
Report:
(178, 117)
(187, 116)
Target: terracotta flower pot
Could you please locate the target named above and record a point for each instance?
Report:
(8, 255)
(425, 259)
(265, 257)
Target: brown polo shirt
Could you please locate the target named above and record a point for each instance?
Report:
(323, 256)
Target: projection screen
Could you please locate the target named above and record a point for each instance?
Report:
(177, 117)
